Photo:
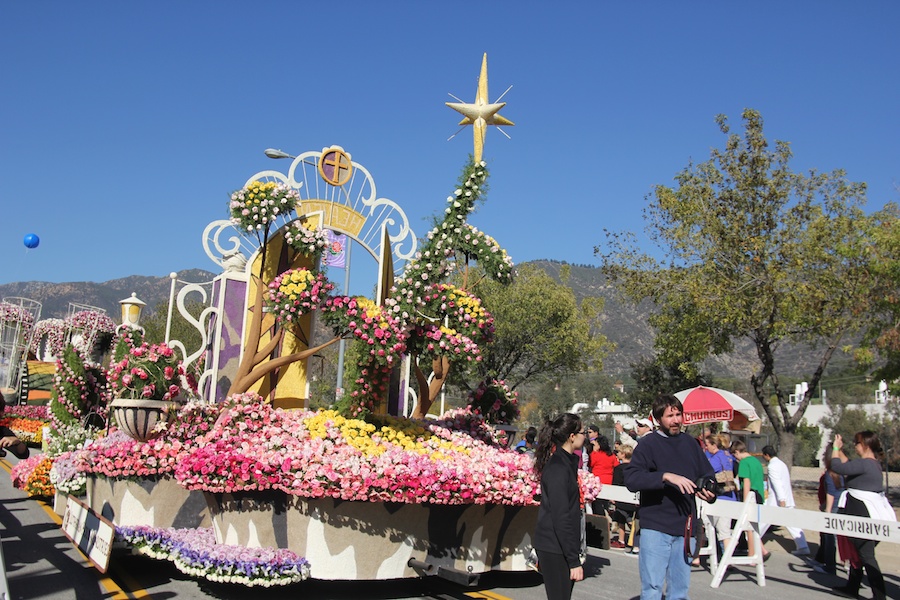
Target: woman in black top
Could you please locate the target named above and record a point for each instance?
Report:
(863, 497)
(557, 537)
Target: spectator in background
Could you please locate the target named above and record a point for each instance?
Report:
(603, 461)
(750, 476)
(593, 432)
(781, 494)
(623, 512)
(644, 428)
(623, 437)
(864, 497)
(722, 462)
(527, 444)
(831, 486)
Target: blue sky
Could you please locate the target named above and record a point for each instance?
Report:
(125, 125)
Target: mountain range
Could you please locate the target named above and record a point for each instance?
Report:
(622, 322)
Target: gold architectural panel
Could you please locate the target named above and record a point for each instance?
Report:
(337, 216)
(290, 382)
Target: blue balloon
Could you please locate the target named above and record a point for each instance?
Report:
(31, 240)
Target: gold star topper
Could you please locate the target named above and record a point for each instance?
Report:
(481, 113)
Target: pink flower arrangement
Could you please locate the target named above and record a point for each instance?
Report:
(55, 330)
(32, 475)
(384, 339)
(13, 313)
(23, 469)
(316, 455)
(150, 372)
(457, 324)
(495, 402)
(118, 455)
(27, 411)
(310, 242)
(295, 293)
(91, 320)
(366, 321)
(464, 311)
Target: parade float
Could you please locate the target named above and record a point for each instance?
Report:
(377, 487)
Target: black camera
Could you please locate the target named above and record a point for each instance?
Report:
(710, 485)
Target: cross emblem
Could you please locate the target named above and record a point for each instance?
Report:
(335, 167)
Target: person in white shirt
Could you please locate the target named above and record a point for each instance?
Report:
(643, 426)
(623, 437)
(781, 494)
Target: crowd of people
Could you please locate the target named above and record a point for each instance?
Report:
(674, 472)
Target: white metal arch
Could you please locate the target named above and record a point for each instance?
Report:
(357, 195)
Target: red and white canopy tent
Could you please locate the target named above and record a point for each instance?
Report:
(711, 405)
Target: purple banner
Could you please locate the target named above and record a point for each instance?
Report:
(335, 254)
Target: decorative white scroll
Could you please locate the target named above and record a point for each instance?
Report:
(356, 197)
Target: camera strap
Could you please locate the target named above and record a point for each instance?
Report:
(694, 529)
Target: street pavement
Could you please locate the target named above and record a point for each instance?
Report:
(41, 563)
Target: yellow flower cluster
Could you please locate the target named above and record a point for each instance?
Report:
(372, 310)
(357, 432)
(472, 306)
(412, 437)
(295, 284)
(448, 331)
(373, 441)
(257, 191)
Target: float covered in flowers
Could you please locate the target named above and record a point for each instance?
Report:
(357, 492)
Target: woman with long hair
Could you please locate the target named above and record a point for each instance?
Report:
(557, 537)
(863, 497)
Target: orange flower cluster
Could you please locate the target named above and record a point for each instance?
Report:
(30, 431)
(38, 483)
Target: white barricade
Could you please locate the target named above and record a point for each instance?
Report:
(749, 515)
(618, 493)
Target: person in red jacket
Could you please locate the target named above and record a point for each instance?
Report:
(603, 461)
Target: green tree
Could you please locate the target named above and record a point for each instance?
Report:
(807, 441)
(847, 420)
(757, 252)
(654, 377)
(888, 429)
(881, 346)
(541, 330)
(551, 401)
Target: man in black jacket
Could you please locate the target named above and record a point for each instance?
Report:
(664, 469)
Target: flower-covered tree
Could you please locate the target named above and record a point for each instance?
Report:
(80, 388)
(436, 322)
(254, 209)
(448, 324)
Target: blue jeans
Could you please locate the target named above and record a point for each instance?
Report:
(662, 561)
